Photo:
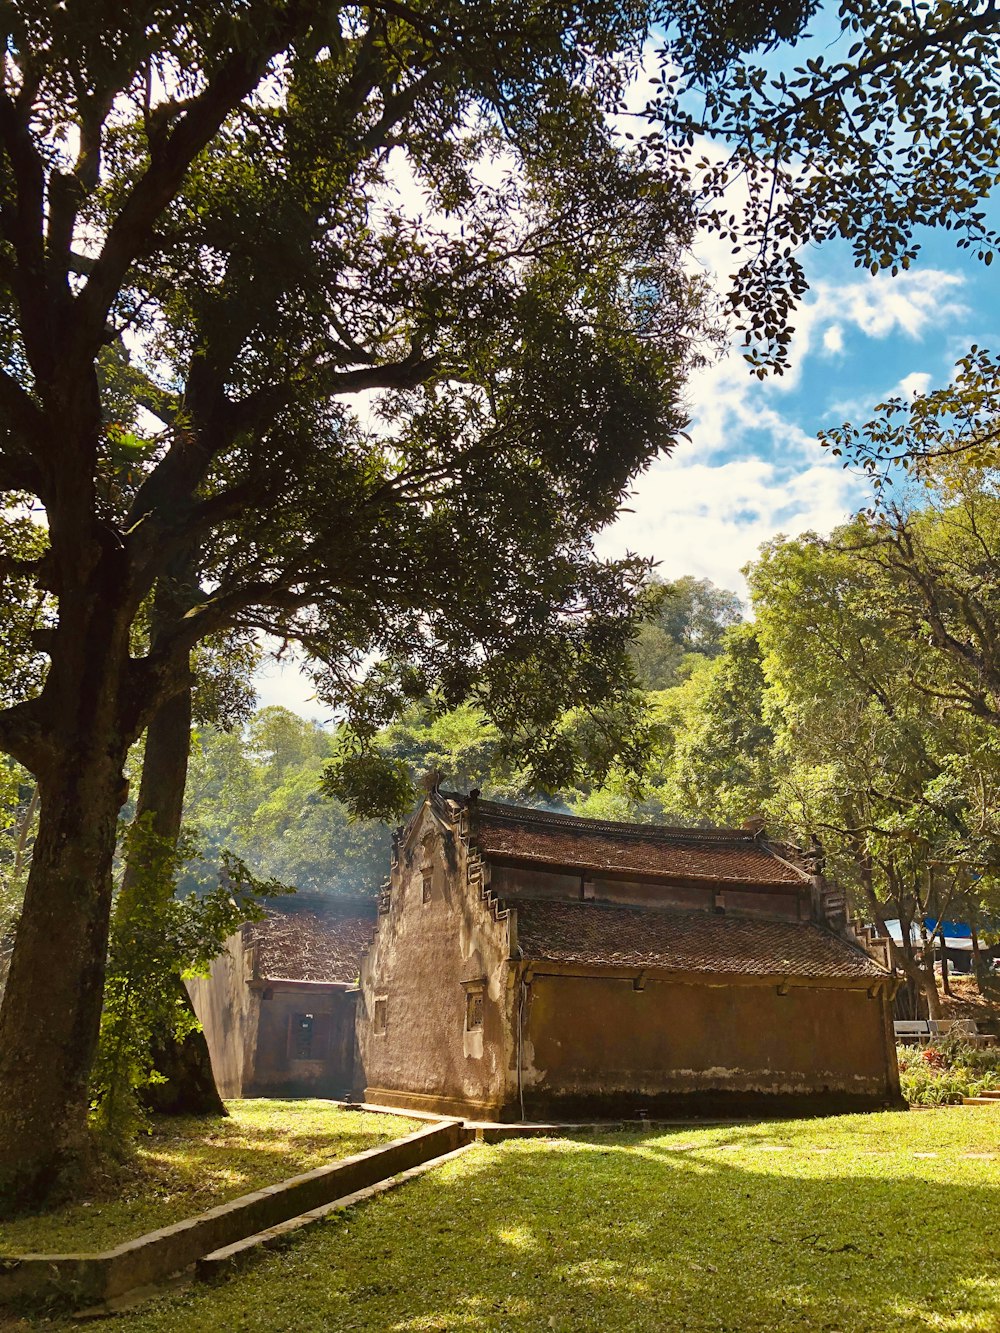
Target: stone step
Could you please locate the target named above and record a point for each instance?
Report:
(229, 1257)
(979, 1101)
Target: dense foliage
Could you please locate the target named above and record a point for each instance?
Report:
(238, 220)
(943, 1074)
(256, 793)
(156, 938)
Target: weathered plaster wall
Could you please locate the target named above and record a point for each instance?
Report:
(595, 1044)
(276, 1071)
(247, 1031)
(228, 1010)
(422, 959)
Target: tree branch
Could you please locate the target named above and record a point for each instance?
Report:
(23, 225)
(26, 734)
(192, 131)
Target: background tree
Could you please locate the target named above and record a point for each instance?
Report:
(690, 620)
(200, 205)
(900, 785)
(719, 767)
(941, 537)
(220, 692)
(256, 792)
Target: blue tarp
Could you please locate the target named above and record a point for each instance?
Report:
(956, 934)
(956, 930)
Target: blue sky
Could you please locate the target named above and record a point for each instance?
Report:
(753, 467)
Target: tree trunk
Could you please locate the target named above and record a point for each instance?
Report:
(920, 983)
(51, 1009)
(186, 1065)
(928, 983)
(977, 957)
(88, 713)
(945, 983)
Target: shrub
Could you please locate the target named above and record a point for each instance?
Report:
(947, 1072)
(154, 943)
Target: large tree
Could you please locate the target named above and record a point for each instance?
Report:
(688, 624)
(872, 752)
(241, 216)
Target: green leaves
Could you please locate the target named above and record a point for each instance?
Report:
(896, 135)
(156, 938)
(889, 750)
(370, 784)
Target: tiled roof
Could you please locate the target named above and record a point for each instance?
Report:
(312, 940)
(731, 856)
(600, 935)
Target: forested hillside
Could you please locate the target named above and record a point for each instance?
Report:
(257, 790)
(814, 713)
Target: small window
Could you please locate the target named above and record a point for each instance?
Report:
(427, 883)
(473, 1010)
(380, 1015)
(302, 1036)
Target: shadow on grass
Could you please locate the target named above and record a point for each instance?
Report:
(617, 1232)
(188, 1164)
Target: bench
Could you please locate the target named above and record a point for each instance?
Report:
(912, 1029)
(942, 1027)
(924, 1030)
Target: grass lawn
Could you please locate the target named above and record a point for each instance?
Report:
(859, 1223)
(187, 1165)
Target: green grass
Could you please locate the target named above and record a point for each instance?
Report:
(811, 1225)
(187, 1165)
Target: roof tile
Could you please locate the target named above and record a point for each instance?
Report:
(601, 935)
(314, 942)
(720, 855)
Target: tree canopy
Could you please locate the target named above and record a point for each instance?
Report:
(884, 131)
(690, 618)
(218, 228)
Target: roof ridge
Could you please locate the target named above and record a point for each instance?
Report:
(522, 814)
(290, 903)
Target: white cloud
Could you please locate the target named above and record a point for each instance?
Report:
(706, 512)
(707, 519)
(913, 385)
(833, 339)
(725, 401)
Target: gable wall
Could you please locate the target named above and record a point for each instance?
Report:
(422, 954)
(229, 1011)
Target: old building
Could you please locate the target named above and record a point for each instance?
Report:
(533, 964)
(278, 1007)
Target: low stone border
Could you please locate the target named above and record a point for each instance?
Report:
(91, 1279)
(233, 1256)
